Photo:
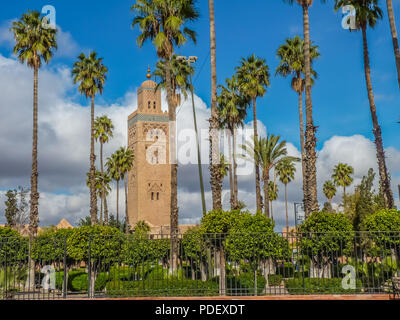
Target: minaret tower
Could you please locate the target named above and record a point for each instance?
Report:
(149, 187)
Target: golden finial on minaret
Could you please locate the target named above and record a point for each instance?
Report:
(148, 73)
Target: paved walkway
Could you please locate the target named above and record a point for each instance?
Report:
(360, 297)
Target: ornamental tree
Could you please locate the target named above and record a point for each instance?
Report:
(323, 238)
(384, 229)
(253, 240)
(100, 245)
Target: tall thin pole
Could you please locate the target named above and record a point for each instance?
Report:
(203, 200)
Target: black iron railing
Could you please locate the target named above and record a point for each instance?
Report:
(205, 265)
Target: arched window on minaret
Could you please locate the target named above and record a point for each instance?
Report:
(158, 196)
(152, 196)
(149, 104)
(154, 105)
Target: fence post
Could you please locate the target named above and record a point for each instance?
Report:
(90, 268)
(65, 269)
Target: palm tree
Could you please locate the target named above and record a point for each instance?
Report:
(272, 194)
(232, 112)
(253, 77)
(102, 185)
(114, 170)
(342, 176)
(34, 45)
(367, 15)
(223, 169)
(216, 182)
(394, 37)
(126, 166)
(163, 22)
(310, 198)
(292, 63)
(329, 190)
(103, 131)
(90, 72)
(267, 153)
(286, 170)
(180, 73)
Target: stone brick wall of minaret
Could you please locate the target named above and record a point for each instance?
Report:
(149, 186)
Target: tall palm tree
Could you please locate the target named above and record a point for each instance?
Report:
(214, 154)
(34, 45)
(253, 77)
(114, 170)
(292, 63)
(103, 131)
(163, 22)
(286, 170)
(223, 169)
(310, 198)
(180, 73)
(127, 159)
(342, 176)
(329, 190)
(367, 15)
(393, 30)
(103, 189)
(232, 112)
(91, 73)
(272, 194)
(267, 153)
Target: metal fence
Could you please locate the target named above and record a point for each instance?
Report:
(245, 264)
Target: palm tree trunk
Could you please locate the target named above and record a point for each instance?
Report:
(105, 211)
(235, 178)
(118, 201)
(174, 169)
(232, 195)
(380, 152)
(203, 198)
(126, 200)
(101, 208)
(310, 198)
(34, 210)
(394, 37)
(287, 213)
(301, 122)
(256, 167)
(266, 195)
(222, 274)
(216, 181)
(272, 211)
(103, 197)
(93, 196)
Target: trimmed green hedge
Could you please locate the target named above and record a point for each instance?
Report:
(320, 286)
(173, 287)
(275, 280)
(78, 281)
(244, 284)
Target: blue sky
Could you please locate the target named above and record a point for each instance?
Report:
(257, 26)
(341, 108)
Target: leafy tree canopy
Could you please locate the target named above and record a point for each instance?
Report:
(325, 234)
(253, 239)
(105, 243)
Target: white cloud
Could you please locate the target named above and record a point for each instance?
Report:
(64, 149)
(67, 45)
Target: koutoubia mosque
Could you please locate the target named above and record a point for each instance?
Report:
(150, 177)
(149, 189)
